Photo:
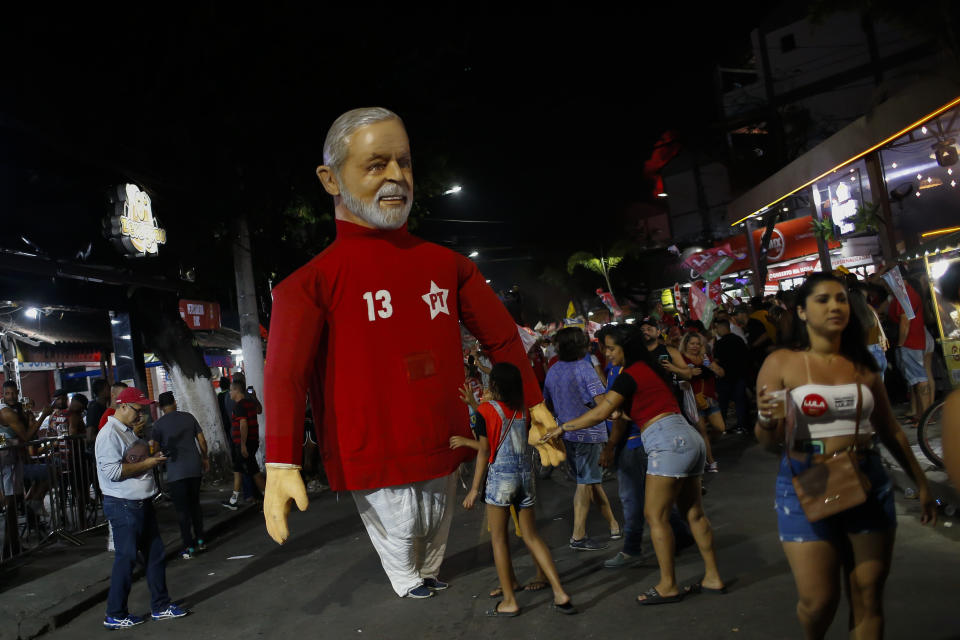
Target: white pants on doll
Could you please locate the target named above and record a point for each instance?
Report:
(408, 525)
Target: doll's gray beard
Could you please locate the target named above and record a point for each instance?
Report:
(371, 213)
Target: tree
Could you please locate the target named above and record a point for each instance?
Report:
(168, 336)
(603, 264)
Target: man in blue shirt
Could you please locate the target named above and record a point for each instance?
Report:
(571, 388)
(125, 471)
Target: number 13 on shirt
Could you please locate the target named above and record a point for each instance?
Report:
(383, 297)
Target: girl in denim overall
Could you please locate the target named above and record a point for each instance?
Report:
(509, 481)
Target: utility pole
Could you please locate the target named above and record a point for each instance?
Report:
(250, 340)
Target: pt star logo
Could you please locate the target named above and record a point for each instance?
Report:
(436, 299)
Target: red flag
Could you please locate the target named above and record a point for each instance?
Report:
(715, 291)
(711, 263)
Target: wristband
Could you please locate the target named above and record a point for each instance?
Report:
(282, 465)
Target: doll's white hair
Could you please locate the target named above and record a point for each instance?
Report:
(335, 147)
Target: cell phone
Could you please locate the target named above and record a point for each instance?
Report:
(663, 358)
(250, 390)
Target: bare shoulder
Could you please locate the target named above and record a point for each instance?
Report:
(782, 358)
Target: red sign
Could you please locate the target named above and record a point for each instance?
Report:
(200, 315)
(814, 405)
(790, 239)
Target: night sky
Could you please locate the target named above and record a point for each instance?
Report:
(545, 118)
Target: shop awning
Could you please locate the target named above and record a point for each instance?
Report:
(887, 121)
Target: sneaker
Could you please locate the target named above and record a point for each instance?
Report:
(187, 553)
(587, 544)
(201, 545)
(713, 467)
(230, 504)
(172, 611)
(128, 620)
(434, 584)
(620, 560)
(423, 591)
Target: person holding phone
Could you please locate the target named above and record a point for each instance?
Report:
(125, 471)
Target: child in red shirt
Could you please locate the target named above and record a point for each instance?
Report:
(508, 469)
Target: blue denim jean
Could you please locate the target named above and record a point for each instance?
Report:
(880, 356)
(878, 513)
(134, 524)
(631, 480)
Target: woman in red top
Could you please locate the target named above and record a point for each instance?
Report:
(675, 458)
(704, 383)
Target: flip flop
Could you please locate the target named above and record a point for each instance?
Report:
(498, 592)
(496, 613)
(535, 585)
(616, 535)
(566, 608)
(699, 588)
(654, 597)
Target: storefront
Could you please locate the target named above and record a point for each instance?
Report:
(883, 190)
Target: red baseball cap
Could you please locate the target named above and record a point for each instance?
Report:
(132, 395)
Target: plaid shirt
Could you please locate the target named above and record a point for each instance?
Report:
(570, 388)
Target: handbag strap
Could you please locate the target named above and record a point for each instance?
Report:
(790, 434)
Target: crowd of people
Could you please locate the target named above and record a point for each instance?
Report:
(807, 373)
(804, 371)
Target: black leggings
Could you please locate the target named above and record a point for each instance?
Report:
(186, 500)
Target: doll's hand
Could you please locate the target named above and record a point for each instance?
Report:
(283, 487)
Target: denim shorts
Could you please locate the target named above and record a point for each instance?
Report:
(674, 448)
(510, 481)
(911, 365)
(876, 514)
(712, 407)
(584, 459)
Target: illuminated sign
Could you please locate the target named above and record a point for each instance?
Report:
(200, 315)
(133, 227)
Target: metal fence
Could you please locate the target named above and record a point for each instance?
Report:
(50, 493)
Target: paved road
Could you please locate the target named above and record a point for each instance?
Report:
(327, 582)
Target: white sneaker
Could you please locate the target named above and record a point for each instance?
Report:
(713, 467)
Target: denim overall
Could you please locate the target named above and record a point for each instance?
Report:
(510, 477)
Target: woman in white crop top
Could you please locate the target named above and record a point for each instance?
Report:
(822, 374)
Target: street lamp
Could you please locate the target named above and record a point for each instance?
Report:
(474, 254)
(454, 189)
(32, 313)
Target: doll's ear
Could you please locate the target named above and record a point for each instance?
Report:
(329, 180)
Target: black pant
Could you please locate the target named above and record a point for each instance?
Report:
(733, 388)
(186, 500)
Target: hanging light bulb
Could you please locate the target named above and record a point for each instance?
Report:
(893, 165)
(923, 130)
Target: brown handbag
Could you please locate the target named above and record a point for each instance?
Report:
(834, 485)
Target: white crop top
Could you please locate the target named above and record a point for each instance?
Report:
(827, 410)
(824, 411)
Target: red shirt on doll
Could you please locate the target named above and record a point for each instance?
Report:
(370, 329)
